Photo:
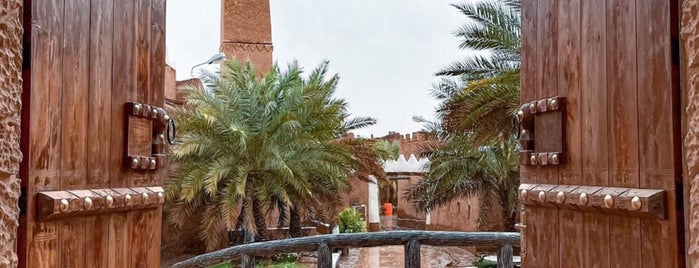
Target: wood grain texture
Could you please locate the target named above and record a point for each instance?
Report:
(656, 140)
(89, 57)
(570, 173)
(624, 232)
(311, 243)
(43, 245)
(143, 91)
(119, 240)
(157, 69)
(99, 109)
(547, 86)
(594, 157)
(43, 152)
(528, 82)
(99, 126)
(123, 87)
(74, 122)
(74, 100)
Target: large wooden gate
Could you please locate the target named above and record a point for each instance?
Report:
(93, 164)
(601, 173)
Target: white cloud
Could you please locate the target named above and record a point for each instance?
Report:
(385, 52)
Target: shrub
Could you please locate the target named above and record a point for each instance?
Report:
(351, 221)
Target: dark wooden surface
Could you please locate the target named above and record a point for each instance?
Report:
(612, 60)
(411, 253)
(411, 239)
(89, 57)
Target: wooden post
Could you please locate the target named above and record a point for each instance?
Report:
(325, 257)
(412, 253)
(248, 261)
(505, 257)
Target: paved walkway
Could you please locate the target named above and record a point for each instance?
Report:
(392, 256)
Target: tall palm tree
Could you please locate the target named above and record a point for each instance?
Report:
(480, 93)
(476, 153)
(249, 144)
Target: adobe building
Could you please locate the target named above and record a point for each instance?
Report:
(459, 215)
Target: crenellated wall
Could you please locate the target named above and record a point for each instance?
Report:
(690, 87)
(10, 106)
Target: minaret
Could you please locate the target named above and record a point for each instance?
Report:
(246, 32)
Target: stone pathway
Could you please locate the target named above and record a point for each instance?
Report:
(392, 256)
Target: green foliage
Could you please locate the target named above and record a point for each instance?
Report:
(350, 221)
(477, 153)
(247, 145)
(482, 263)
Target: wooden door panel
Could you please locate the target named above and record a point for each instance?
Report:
(656, 145)
(569, 85)
(622, 127)
(595, 139)
(528, 81)
(612, 61)
(86, 207)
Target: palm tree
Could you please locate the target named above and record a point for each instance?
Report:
(477, 152)
(488, 172)
(480, 93)
(249, 144)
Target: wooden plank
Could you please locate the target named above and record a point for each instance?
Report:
(139, 238)
(624, 232)
(375, 239)
(45, 105)
(157, 69)
(593, 103)
(154, 232)
(157, 98)
(97, 229)
(569, 86)
(99, 110)
(655, 114)
(123, 90)
(528, 93)
(99, 125)
(142, 90)
(72, 243)
(73, 125)
(74, 122)
(43, 244)
(123, 87)
(119, 240)
(547, 250)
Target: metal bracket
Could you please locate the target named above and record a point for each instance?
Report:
(542, 132)
(149, 130)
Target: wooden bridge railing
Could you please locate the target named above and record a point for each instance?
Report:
(324, 243)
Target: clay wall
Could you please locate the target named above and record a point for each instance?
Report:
(10, 106)
(246, 32)
(690, 96)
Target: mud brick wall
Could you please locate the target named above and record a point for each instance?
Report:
(10, 106)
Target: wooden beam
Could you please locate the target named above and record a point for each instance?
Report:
(355, 240)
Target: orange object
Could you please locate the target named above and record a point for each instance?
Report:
(388, 209)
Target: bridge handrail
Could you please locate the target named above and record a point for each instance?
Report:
(410, 239)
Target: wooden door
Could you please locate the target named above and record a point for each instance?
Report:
(87, 202)
(601, 173)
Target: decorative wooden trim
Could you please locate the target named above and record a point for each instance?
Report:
(649, 203)
(544, 113)
(161, 133)
(60, 204)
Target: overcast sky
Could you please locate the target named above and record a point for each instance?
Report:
(386, 52)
